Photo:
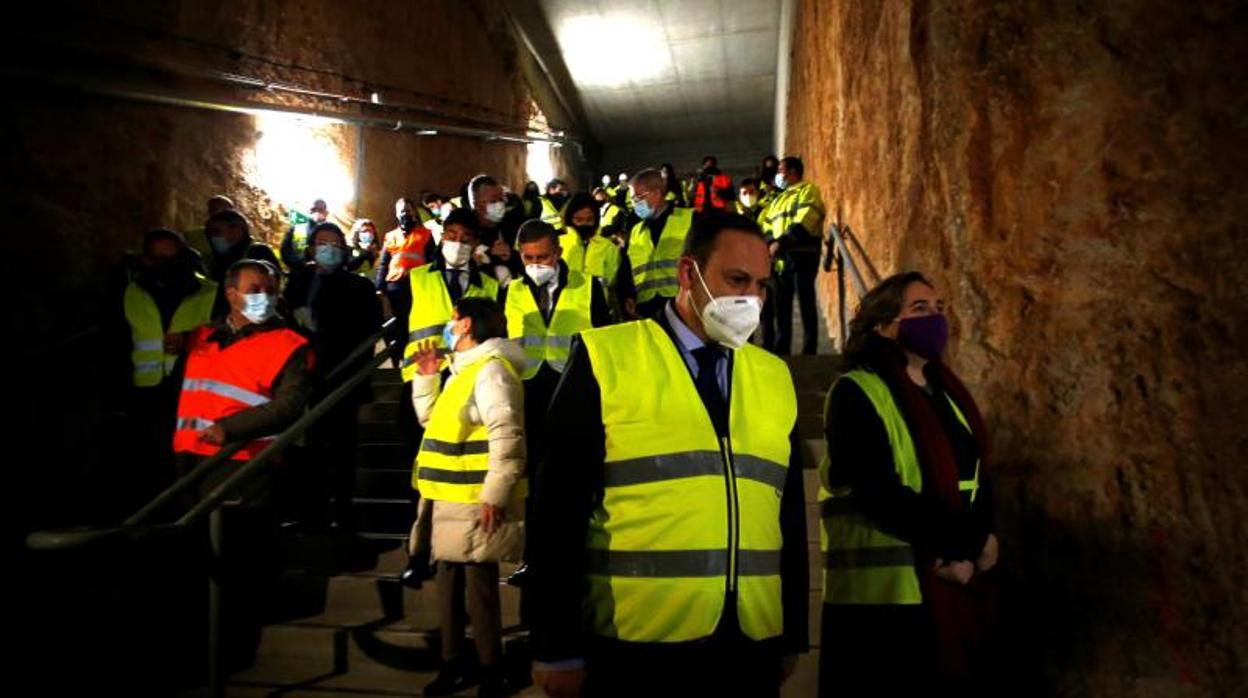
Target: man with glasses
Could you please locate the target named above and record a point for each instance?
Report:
(654, 244)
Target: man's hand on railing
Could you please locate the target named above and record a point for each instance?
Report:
(214, 435)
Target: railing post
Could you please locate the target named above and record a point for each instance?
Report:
(216, 678)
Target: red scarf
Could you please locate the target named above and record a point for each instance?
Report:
(961, 614)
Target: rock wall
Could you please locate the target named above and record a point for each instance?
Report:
(1070, 174)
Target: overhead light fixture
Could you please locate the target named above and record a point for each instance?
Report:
(375, 98)
(427, 132)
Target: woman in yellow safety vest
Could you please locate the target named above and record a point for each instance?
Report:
(470, 471)
(365, 248)
(907, 529)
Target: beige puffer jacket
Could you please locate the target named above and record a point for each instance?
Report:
(498, 404)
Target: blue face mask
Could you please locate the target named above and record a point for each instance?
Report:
(642, 209)
(781, 182)
(219, 245)
(449, 336)
(258, 307)
(330, 256)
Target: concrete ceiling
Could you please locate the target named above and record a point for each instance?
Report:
(671, 80)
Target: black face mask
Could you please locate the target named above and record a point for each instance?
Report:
(769, 174)
(586, 231)
(407, 222)
(168, 276)
(558, 199)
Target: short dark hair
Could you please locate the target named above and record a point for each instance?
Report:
(151, 237)
(429, 197)
(535, 230)
(556, 182)
(475, 185)
(579, 202)
(700, 241)
(488, 320)
(232, 219)
(749, 182)
(236, 269)
(794, 164)
(465, 217)
(330, 227)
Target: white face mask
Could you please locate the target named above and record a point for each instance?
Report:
(748, 200)
(495, 211)
(729, 320)
(455, 253)
(259, 307)
(540, 273)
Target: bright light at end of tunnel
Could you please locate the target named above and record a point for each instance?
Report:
(539, 166)
(613, 50)
(296, 161)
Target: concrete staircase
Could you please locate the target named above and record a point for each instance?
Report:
(341, 624)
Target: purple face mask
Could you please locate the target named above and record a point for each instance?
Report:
(924, 335)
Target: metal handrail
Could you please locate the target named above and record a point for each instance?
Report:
(64, 539)
(838, 253)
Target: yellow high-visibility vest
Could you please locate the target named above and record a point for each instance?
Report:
(654, 270)
(147, 334)
(862, 564)
(432, 309)
(686, 516)
(598, 257)
(454, 454)
(549, 343)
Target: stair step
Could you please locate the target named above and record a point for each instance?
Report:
(382, 482)
(379, 412)
(813, 451)
(388, 392)
(348, 600)
(387, 376)
(385, 455)
(368, 660)
(384, 515)
(810, 426)
(380, 432)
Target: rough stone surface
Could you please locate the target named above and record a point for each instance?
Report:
(1070, 174)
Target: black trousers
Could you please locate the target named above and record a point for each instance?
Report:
(800, 269)
(400, 297)
(726, 664)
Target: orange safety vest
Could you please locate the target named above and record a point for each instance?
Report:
(220, 382)
(718, 182)
(407, 252)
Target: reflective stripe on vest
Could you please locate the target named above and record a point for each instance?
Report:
(599, 257)
(431, 310)
(407, 251)
(654, 270)
(147, 333)
(454, 455)
(679, 505)
(862, 564)
(549, 343)
(221, 382)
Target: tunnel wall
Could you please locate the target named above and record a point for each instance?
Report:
(88, 174)
(1070, 175)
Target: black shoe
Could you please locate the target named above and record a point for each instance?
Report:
(522, 576)
(452, 678)
(492, 685)
(417, 571)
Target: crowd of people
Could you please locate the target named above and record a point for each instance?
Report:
(593, 390)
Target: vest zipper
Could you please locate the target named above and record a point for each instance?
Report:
(734, 523)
